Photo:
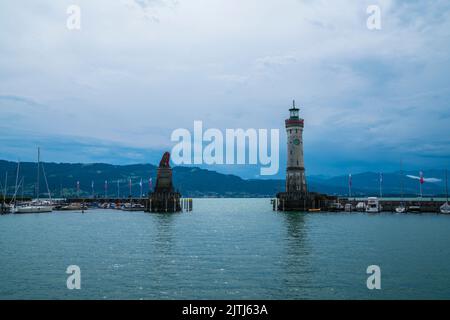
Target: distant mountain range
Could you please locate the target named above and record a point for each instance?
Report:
(195, 182)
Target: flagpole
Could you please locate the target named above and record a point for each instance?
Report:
(421, 180)
(129, 184)
(381, 185)
(350, 185)
(421, 194)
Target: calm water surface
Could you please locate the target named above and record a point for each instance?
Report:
(224, 249)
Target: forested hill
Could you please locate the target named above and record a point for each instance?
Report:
(195, 182)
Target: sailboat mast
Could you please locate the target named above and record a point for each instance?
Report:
(401, 178)
(46, 183)
(5, 190)
(16, 186)
(38, 165)
(17, 177)
(446, 184)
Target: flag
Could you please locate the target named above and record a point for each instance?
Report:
(140, 183)
(422, 180)
(92, 184)
(350, 180)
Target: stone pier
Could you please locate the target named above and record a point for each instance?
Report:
(164, 198)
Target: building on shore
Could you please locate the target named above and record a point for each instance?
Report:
(296, 197)
(164, 198)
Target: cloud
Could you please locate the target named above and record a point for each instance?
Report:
(275, 61)
(368, 97)
(18, 99)
(150, 9)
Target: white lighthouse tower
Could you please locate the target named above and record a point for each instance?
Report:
(295, 172)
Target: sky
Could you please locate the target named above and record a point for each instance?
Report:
(115, 90)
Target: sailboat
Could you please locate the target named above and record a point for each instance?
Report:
(401, 208)
(445, 208)
(37, 206)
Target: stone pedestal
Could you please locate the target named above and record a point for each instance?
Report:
(164, 198)
(294, 201)
(164, 202)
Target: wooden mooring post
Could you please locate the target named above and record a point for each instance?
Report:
(186, 204)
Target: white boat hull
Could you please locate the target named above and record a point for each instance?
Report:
(400, 209)
(445, 208)
(33, 209)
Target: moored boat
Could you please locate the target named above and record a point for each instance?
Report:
(445, 208)
(361, 206)
(373, 205)
(414, 209)
(132, 207)
(74, 206)
(33, 208)
(400, 209)
(36, 206)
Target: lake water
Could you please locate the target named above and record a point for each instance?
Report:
(224, 249)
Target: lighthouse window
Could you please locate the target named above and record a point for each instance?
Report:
(297, 162)
(295, 130)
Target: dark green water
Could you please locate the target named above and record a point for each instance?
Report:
(224, 249)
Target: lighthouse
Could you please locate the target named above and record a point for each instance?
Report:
(295, 170)
(296, 197)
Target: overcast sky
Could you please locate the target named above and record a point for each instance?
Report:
(116, 89)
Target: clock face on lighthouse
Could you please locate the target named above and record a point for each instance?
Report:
(296, 141)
